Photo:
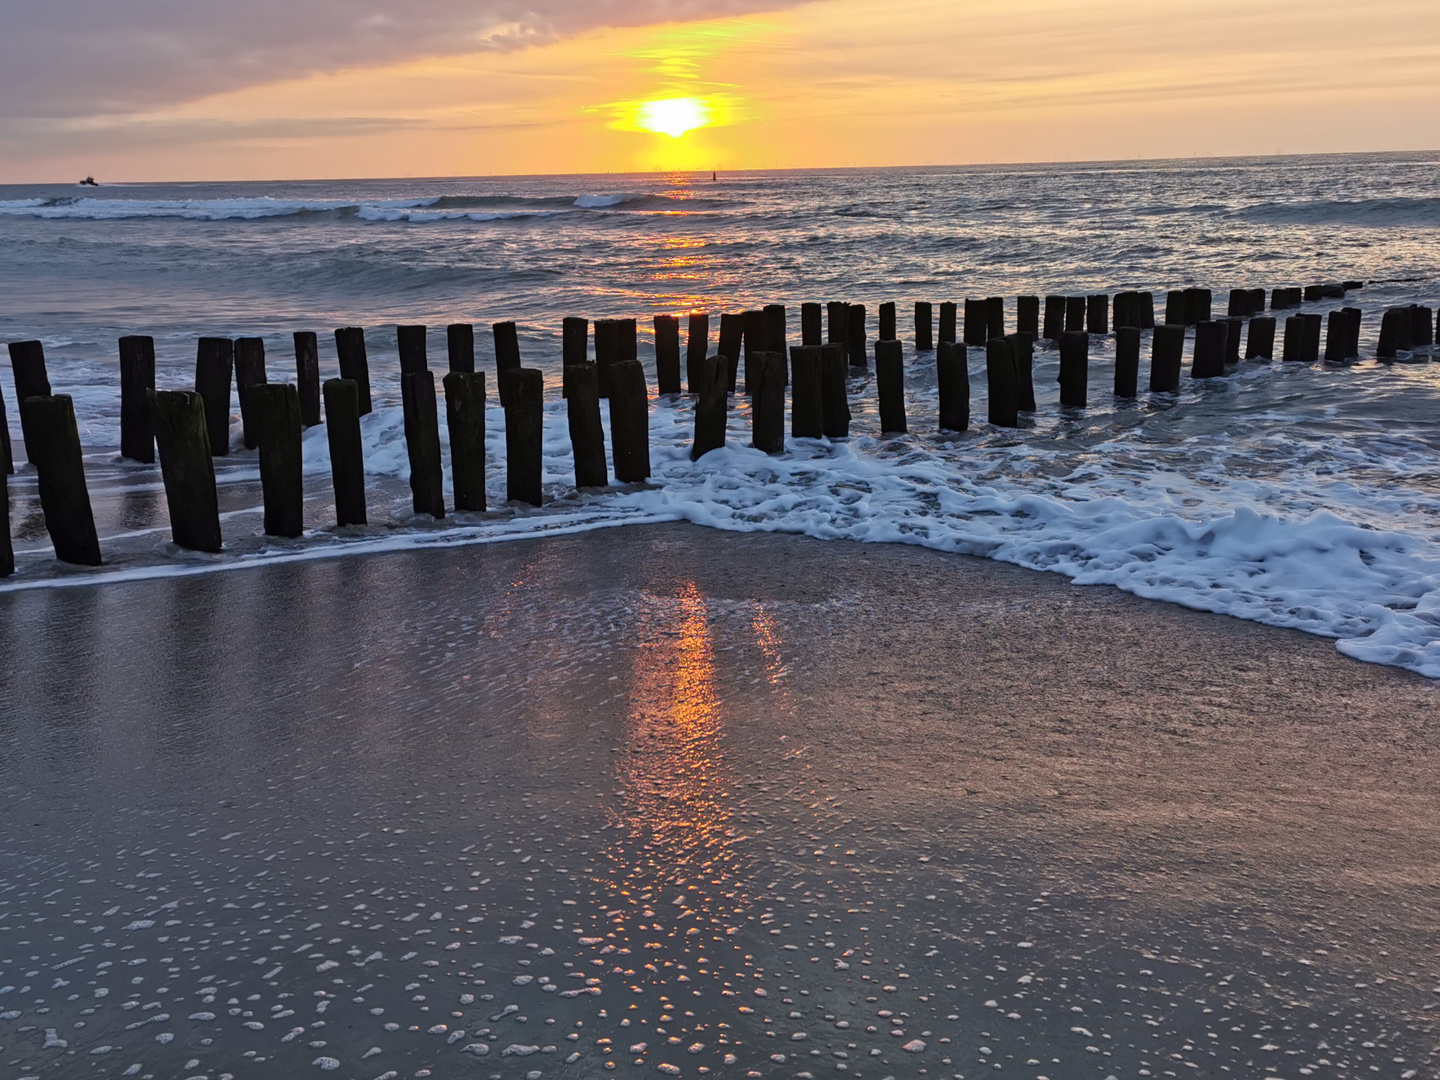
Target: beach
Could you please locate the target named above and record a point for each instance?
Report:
(852, 809)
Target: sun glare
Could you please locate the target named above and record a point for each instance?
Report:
(673, 116)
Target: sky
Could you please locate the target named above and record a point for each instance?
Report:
(274, 89)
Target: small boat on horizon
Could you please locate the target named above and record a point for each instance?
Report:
(89, 181)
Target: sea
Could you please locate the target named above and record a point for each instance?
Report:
(1297, 495)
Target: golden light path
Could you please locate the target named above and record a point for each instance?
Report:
(672, 116)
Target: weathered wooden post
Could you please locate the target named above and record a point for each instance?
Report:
(277, 408)
(1097, 314)
(1352, 342)
(807, 408)
(1075, 369)
(837, 322)
(1167, 355)
(711, 406)
(811, 329)
(629, 340)
(27, 366)
(54, 440)
(1197, 306)
(422, 442)
(1337, 337)
(1239, 303)
(1075, 311)
(354, 362)
(890, 386)
(1003, 391)
(995, 316)
(1260, 340)
(924, 326)
(1235, 328)
(1310, 347)
(1147, 311)
(7, 453)
(1126, 309)
(607, 351)
(183, 437)
(856, 345)
(775, 336)
(465, 421)
(1422, 327)
(767, 413)
(307, 376)
(1027, 316)
(1127, 361)
(1054, 317)
(249, 372)
(1211, 339)
(460, 346)
(947, 322)
(1175, 307)
(7, 547)
(137, 383)
(587, 433)
(1281, 299)
(887, 321)
(507, 353)
(667, 354)
(347, 453)
(977, 322)
(836, 400)
(630, 422)
(1395, 328)
(213, 364)
(754, 341)
(1022, 353)
(1296, 340)
(574, 349)
(525, 431)
(732, 332)
(697, 347)
(952, 377)
(411, 346)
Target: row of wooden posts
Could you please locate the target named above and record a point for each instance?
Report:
(192, 428)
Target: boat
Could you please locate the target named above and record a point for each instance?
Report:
(89, 181)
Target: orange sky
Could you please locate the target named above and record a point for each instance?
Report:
(835, 82)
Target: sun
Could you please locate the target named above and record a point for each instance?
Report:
(672, 116)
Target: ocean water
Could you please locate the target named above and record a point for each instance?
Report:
(1299, 496)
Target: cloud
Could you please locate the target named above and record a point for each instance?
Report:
(71, 58)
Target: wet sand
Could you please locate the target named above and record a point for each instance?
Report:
(708, 804)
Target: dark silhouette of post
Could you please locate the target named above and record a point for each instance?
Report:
(1075, 311)
(732, 332)
(807, 408)
(1396, 326)
(465, 421)
(213, 365)
(995, 316)
(354, 362)
(307, 376)
(1054, 317)
(277, 408)
(1027, 316)
(977, 319)
(1260, 338)
(1211, 339)
(1167, 355)
(834, 370)
(1235, 330)
(947, 322)
(1097, 314)
(1075, 369)
(507, 353)
(460, 346)
(767, 412)
(411, 346)
(811, 329)
(7, 547)
(1353, 317)
(7, 453)
(667, 354)
(697, 347)
(64, 499)
(754, 341)
(837, 323)
(924, 327)
(137, 384)
(607, 351)
(1002, 388)
(186, 466)
(249, 372)
(629, 422)
(1197, 306)
(952, 377)
(1175, 307)
(347, 453)
(587, 433)
(525, 432)
(422, 442)
(1022, 352)
(1127, 361)
(27, 367)
(711, 405)
(775, 337)
(574, 349)
(887, 321)
(856, 345)
(890, 386)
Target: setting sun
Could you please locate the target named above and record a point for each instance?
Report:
(673, 116)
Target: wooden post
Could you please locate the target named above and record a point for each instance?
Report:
(465, 421)
(1126, 309)
(1147, 311)
(629, 340)
(924, 327)
(767, 413)
(1075, 311)
(890, 386)
(732, 332)
(507, 353)
(525, 432)
(1127, 361)
(754, 341)
(422, 442)
(183, 437)
(837, 323)
(856, 347)
(1197, 306)
(1054, 318)
(836, 399)
(1352, 341)
(811, 331)
(1310, 343)
(667, 354)
(347, 453)
(1022, 352)
(630, 422)
(1211, 339)
(1097, 314)
(697, 347)
(1167, 355)
(887, 321)
(1313, 293)
(995, 316)
(712, 386)
(249, 372)
(7, 547)
(1000, 376)
(1260, 340)
(574, 349)
(1075, 369)
(27, 366)
(1175, 307)
(1296, 334)
(587, 434)
(307, 376)
(1337, 337)
(1422, 327)
(1280, 299)
(277, 407)
(7, 453)
(354, 363)
(460, 346)
(952, 377)
(775, 336)
(1395, 327)
(55, 440)
(947, 322)
(1239, 304)
(807, 408)
(1235, 328)
(137, 383)
(977, 319)
(607, 352)
(213, 364)
(411, 346)
(1027, 316)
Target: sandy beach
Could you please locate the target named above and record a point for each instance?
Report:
(853, 810)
